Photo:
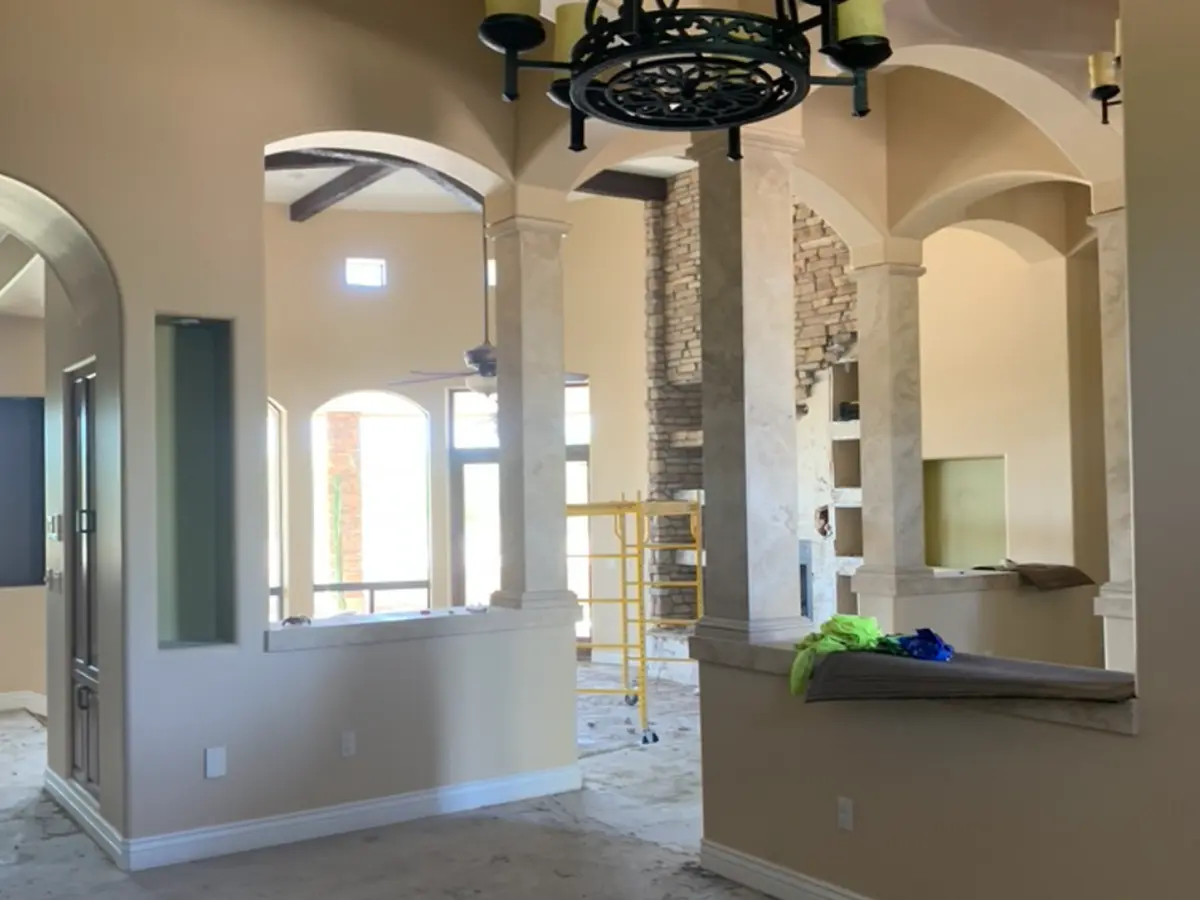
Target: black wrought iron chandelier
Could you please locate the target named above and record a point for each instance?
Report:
(1104, 76)
(655, 65)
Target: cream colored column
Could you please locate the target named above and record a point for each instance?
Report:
(748, 365)
(893, 477)
(1115, 601)
(532, 415)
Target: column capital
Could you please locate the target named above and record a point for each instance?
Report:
(888, 251)
(1107, 218)
(516, 200)
(888, 269)
(527, 225)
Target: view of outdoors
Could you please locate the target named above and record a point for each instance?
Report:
(371, 539)
(275, 510)
(475, 466)
(371, 502)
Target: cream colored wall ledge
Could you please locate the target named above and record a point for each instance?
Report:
(385, 628)
(776, 659)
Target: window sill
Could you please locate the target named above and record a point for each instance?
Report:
(776, 659)
(386, 628)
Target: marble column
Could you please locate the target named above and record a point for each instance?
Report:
(531, 414)
(747, 312)
(1115, 601)
(893, 474)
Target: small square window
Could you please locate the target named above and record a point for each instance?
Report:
(367, 273)
(491, 273)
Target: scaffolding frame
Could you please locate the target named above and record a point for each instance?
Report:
(631, 520)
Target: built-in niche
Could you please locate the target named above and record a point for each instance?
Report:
(195, 481)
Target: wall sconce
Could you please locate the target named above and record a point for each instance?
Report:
(1104, 76)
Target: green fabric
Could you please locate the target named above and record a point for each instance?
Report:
(837, 635)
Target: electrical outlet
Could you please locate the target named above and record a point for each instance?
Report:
(349, 744)
(214, 762)
(845, 814)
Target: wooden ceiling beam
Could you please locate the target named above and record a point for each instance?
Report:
(338, 189)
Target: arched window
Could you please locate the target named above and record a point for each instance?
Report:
(370, 460)
(275, 494)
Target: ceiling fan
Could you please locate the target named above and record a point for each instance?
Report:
(480, 370)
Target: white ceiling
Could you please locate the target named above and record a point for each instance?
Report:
(22, 280)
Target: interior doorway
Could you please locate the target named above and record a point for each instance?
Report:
(80, 513)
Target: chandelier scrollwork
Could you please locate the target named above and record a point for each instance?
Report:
(661, 66)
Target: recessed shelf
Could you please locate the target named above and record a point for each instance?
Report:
(847, 464)
(847, 600)
(843, 393)
(848, 531)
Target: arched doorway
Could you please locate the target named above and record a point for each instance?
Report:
(80, 530)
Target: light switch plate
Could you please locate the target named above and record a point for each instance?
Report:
(214, 762)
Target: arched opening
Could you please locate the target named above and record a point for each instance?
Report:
(371, 499)
(62, 634)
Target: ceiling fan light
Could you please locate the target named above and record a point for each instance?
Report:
(483, 385)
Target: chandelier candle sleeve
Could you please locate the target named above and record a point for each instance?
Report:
(514, 7)
(568, 28)
(860, 18)
(1102, 71)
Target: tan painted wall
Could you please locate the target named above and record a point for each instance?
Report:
(325, 339)
(995, 379)
(997, 347)
(177, 208)
(22, 610)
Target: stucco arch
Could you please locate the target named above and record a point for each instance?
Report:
(83, 326)
(462, 168)
(970, 200)
(809, 184)
(67, 247)
(1074, 126)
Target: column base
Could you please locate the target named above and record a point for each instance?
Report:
(1115, 604)
(537, 600)
(756, 631)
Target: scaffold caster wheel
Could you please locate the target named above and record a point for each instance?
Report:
(631, 699)
(650, 737)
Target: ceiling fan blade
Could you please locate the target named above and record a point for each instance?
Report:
(427, 377)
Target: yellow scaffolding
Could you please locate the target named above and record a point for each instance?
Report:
(631, 520)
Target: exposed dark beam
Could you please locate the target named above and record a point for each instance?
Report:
(338, 189)
(468, 196)
(625, 185)
(302, 159)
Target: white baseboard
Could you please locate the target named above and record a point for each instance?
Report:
(27, 700)
(768, 878)
(205, 843)
(82, 807)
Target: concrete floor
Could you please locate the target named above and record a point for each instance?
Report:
(633, 832)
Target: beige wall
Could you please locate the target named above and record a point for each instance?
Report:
(325, 339)
(22, 610)
(995, 379)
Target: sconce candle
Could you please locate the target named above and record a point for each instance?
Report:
(568, 28)
(514, 7)
(1102, 72)
(860, 18)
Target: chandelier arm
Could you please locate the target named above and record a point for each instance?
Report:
(547, 64)
(811, 23)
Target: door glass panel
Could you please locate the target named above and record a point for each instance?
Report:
(481, 531)
(579, 567)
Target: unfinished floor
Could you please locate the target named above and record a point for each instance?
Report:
(633, 831)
